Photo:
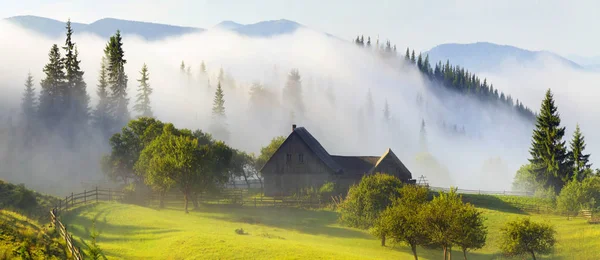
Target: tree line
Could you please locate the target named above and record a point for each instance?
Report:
(451, 77)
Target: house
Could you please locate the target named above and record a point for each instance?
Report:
(302, 162)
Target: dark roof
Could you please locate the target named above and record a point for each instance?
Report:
(317, 148)
(356, 164)
(395, 158)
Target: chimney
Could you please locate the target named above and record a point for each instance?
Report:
(293, 127)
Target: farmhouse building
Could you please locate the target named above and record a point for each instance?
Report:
(302, 162)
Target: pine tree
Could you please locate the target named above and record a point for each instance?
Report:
(413, 59)
(142, 105)
(577, 159)
(102, 114)
(369, 42)
(219, 124)
(52, 85)
(407, 55)
(292, 92)
(182, 67)
(117, 80)
(221, 76)
(370, 106)
(76, 100)
(423, 137)
(29, 102)
(386, 112)
(420, 62)
(202, 68)
(28, 110)
(548, 150)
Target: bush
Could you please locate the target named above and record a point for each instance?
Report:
(579, 195)
(326, 191)
(523, 237)
(240, 231)
(135, 193)
(368, 199)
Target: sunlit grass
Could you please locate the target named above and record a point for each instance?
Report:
(134, 232)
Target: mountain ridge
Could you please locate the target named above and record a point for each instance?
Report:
(105, 27)
(487, 56)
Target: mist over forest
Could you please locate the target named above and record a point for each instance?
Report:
(338, 80)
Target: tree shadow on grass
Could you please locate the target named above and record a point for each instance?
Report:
(80, 226)
(492, 203)
(315, 222)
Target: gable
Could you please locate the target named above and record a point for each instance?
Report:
(296, 146)
(389, 163)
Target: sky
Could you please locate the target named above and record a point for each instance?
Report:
(565, 27)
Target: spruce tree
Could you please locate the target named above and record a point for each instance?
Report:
(577, 159)
(548, 151)
(407, 55)
(202, 68)
(102, 114)
(182, 67)
(219, 124)
(386, 112)
(76, 100)
(292, 92)
(369, 42)
(117, 80)
(221, 76)
(28, 110)
(28, 102)
(370, 106)
(49, 109)
(413, 59)
(423, 137)
(142, 105)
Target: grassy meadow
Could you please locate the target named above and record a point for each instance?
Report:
(135, 232)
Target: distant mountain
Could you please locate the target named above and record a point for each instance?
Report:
(485, 56)
(150, 31)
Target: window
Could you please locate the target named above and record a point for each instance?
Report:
(301, 158)
(288, 158)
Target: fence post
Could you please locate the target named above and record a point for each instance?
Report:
(59, 204)
(72, 200)
(66, 202)
(84, 197)
(96, 194)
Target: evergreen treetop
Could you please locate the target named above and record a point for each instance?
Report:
(142, 105)
(577, 158)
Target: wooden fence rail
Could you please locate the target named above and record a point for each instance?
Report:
(62, 229)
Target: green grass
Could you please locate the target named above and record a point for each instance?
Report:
(134, 232)
(24, 237)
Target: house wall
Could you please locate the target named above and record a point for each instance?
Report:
(286, 178)
(390, 166)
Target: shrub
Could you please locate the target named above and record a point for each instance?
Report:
(240, 231)
(326, 191)
(94, 252)
(135, 193)
(523, 236)
(365, 201)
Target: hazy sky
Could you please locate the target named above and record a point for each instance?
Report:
(565, 27)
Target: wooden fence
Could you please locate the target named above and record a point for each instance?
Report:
(86, 196)
(62, 229)
(73, 200)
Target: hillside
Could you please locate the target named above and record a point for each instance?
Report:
(128, 232)
(485, 56)
(25, 238)
(32, 204)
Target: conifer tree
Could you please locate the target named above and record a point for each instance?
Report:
(423, 137)
(386, 112)
(117, 80)
(407, 55)
(102, 114)
(369, 42)
(577, 159)
(420, 62)
(202, 68)
(219, 124)
(548, 151)
(413, 59)
(28, 109)
(52, 85)
(292, 92)
(142, 105)
(182, 67)
(76, 100)
(29, 102)
(221, 76)
(370, 106)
